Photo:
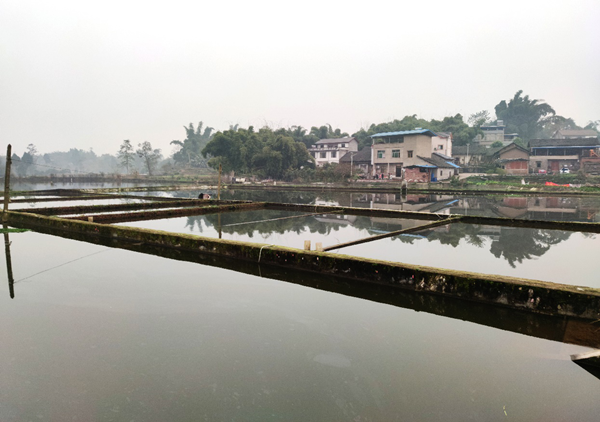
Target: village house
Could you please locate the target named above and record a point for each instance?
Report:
(513, 158)
(553, 155)
(442, 143)
(435, 168)
(359, 161)
(391, 151)
(329, 151)
(574, 134)
(474, 155)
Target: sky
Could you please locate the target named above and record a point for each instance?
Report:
(81, 74)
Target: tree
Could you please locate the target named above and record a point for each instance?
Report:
(553, 123)
(327, 132)
(190, 152)
(148, 155)
(126, 154)
(523, 115)
(593, 124)
(480, 118)
(32, 150)
(266, 152)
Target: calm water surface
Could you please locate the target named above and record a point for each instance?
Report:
(100, 334)
(548, 255)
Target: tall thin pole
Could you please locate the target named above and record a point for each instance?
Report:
(219, 187)
(9, 271)
(7, 183)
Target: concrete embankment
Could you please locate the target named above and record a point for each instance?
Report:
(515, 293)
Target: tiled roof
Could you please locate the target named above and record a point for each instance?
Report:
(404, 132)
(362, 156)
(475, 150)
(334, 141)
(577, 142)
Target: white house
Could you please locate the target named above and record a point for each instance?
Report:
(328, 151)
(441, 143)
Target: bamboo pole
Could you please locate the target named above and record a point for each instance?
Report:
(9, 271)
(219, 187)
(7, 183)
(443, 222)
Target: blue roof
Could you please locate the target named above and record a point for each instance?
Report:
(405, 132)
(452, 164)
(567, 147)
(425, 166)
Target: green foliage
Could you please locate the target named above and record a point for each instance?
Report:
(520, 142)
(149, 156)
(190, 152)
(553, 123)
(264, 153)
(462, 133)
(327, 132)
(497, 144)
(480, 118)
(126, 155)
(593, 124)
(523, 115)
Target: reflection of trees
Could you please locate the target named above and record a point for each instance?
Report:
(456, 232)
(265, 222)
(515, 245)
(512, 244)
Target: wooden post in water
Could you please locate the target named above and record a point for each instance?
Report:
(9, 271)
(219, 187)
(7, 183)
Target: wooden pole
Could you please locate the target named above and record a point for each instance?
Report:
(219, 187)
(9, 271)
(443, 222)
(7, 183)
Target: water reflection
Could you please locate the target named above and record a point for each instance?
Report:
(515, 245)
(555, 208)
(133, 336)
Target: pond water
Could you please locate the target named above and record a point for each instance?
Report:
(101, 334)
(73, 203)
(23, 186)
(528, 253)
(557, 208)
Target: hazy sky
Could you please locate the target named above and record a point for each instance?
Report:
(82, 74)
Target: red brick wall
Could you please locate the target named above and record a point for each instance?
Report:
(415, 175)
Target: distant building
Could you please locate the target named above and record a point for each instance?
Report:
(513, 158)
(474, 155)
(442, 143)
(360, 161)
(552, 155)
(391, 151)
(574, 134)
(328, 151)
(435, 168)
(495, 133)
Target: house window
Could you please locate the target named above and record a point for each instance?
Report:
(410, 154)
(538, 164)
(344, 145)
(440, 147)
(395, 153)
(333, 154)
(441, 172)
(381, 153)
(323, 155)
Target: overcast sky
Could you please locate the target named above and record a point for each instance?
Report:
(82, 74)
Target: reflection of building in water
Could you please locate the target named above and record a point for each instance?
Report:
(394, 201)
(336, 219)
(547, 208)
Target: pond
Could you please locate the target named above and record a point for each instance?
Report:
(547, 255)
(102, 334)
